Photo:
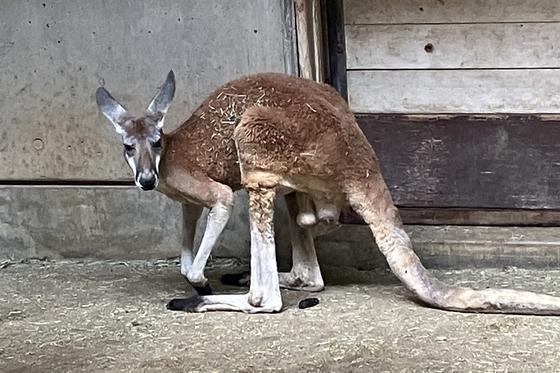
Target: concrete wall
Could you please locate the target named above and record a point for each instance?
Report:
(106, 223)
(109, 223)
(54, 54)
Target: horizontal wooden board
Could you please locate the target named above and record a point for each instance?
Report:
(453, 91)
(462, 216)
(502, 45)
(509, 161)
(449, 11)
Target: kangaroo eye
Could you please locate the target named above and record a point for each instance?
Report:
(129, 148)
(157, 144)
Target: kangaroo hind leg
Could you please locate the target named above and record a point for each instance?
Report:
(305, 273)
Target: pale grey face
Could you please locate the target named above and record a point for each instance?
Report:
(142, 137)
(143, 145)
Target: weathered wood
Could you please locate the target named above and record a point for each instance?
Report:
(52, 63)
(449, 11)
(462, 216)
(457, 46)
(304, 39)
(336, 46)
(318, 47)
(487, 217)
(309, 39)
(454, 91)
(509, 161)
(290, 37)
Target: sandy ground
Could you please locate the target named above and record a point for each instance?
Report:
(111, 317)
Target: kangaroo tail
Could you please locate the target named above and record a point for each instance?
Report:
(374, 203)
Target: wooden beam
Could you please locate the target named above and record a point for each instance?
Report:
(455, 91)
(310, 39)
(448, 246)
(453, 46)
(502, 161)
(449, 11)
(336, 46)
(458, 216)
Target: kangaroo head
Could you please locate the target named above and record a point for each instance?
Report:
(141, 136)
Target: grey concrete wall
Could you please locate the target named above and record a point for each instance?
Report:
(54, 54)
(110, 223)
(124, 223)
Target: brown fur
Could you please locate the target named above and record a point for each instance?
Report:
(204, 143)
(197, 165)
(273, 132)
(309, 141)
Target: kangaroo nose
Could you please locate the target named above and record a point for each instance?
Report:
(147, 180)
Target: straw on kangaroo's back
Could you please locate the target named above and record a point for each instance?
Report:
(305, 138)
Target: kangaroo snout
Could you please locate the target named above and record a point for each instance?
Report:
(147, 180)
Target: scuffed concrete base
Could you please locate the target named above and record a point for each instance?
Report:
(109, 223)
(449, 247)
(111, 317)
(124, 223)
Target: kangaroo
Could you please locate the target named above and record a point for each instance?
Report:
(293, 134)
(197, 165)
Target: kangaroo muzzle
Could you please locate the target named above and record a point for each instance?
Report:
(147, 180)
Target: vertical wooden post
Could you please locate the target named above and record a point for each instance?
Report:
(336, 46)
(310, 39)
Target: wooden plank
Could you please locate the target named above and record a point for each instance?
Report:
(449, 11)
(309, 39)
(336, 46)
(51, 65)
(461, 216)
(318, 42)
(458, 46)
(454, 91)
(289, 33)
(509, 161)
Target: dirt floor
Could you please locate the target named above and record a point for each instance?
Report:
(111, 317)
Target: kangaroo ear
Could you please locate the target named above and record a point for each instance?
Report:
(160, 103)
(112, 110)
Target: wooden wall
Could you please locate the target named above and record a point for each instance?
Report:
(460, 100)
(453, 56)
